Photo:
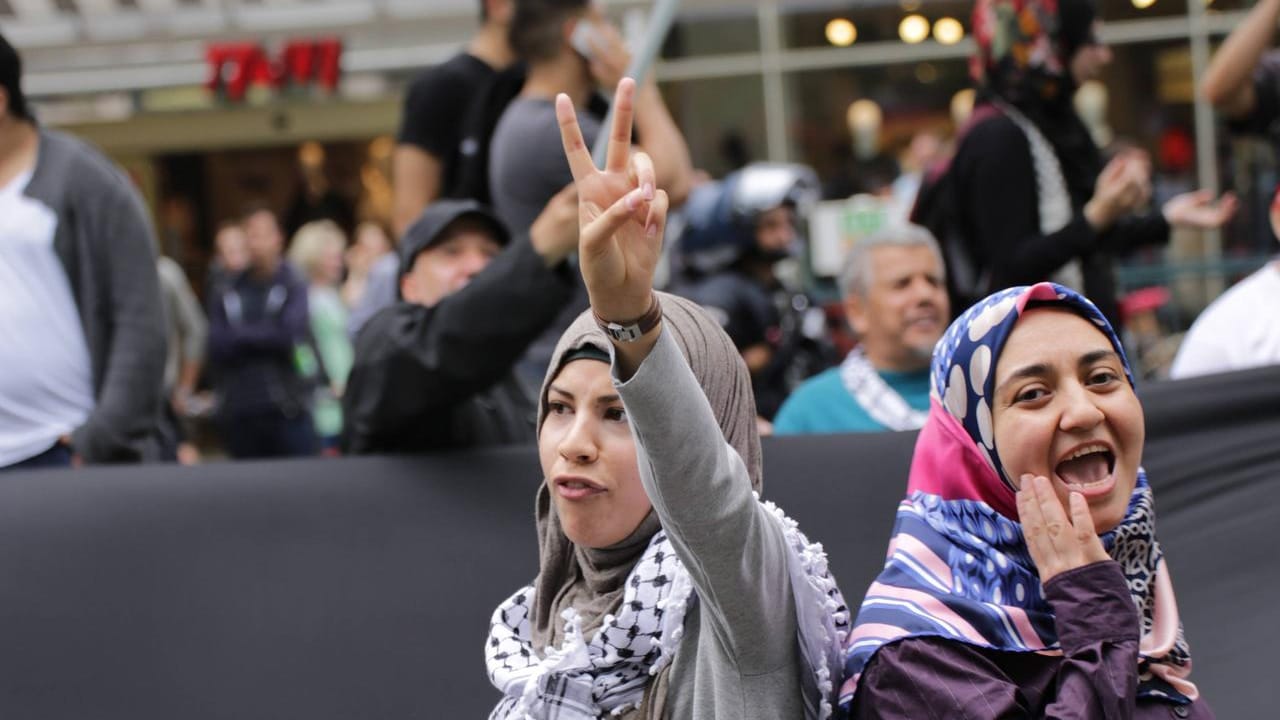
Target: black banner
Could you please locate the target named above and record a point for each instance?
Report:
(362, 588)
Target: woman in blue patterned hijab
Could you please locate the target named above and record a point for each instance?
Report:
(1024, 578)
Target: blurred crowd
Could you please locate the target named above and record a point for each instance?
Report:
(428, 328)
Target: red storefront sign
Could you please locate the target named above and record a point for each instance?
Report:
(235, 66)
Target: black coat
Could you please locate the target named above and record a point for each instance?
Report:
(440, 377)
(999, 216)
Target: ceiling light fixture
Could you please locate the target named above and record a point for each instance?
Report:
(913, 29)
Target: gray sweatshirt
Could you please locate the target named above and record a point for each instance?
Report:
(739, 657)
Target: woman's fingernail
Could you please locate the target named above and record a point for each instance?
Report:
(648, 191)
(652, 230)
(632, 201)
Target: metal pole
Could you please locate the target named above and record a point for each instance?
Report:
(775, 110)
(664, 13)
(1206, 141)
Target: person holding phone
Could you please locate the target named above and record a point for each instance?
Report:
(569, 47)
(1029, 195)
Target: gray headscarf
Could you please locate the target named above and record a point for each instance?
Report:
(591, 580)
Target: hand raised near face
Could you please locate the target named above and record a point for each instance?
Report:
(609, 54)
(621, 214)
(1138, 169)
(1123, 186)
(554, 232)
(1057, 542)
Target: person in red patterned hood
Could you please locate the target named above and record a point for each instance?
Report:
(1028, 196)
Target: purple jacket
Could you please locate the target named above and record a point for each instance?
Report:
(922, 678)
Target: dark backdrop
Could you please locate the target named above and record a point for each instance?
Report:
(362, 588)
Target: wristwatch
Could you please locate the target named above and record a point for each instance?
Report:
(625, 332)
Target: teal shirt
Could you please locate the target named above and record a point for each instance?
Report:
(823, 405)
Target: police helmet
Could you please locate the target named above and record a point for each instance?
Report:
(720, 217)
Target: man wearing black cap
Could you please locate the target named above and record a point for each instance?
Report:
(433, 371)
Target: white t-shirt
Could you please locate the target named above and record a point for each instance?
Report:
(46, 384)
(1241, 329)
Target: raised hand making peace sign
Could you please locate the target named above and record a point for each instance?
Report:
(621, 218)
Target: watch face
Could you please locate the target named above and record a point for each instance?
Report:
(623, 333)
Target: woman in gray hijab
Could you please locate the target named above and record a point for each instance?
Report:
(666, 588)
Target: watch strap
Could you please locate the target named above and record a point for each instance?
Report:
(632, 330)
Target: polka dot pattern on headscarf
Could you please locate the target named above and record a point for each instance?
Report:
(963, 370)
(958, 548)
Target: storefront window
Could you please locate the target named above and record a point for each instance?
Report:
(1114, 10)
(851, 125)
(812, 27)
(1149, 103)
(721, 33)
(1220, 6)
(722, 120)
(1149, 94)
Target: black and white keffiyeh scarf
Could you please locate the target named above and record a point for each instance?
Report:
(1051, 191)
(884, 404)
(607, 674)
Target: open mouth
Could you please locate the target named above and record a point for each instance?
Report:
(1088, 469)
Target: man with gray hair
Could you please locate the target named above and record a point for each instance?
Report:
(895, 299)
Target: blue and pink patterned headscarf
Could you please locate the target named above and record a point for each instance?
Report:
(957, 565)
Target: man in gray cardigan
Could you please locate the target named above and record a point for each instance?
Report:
(82, 343)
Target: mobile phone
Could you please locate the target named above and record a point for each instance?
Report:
(583, 34)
